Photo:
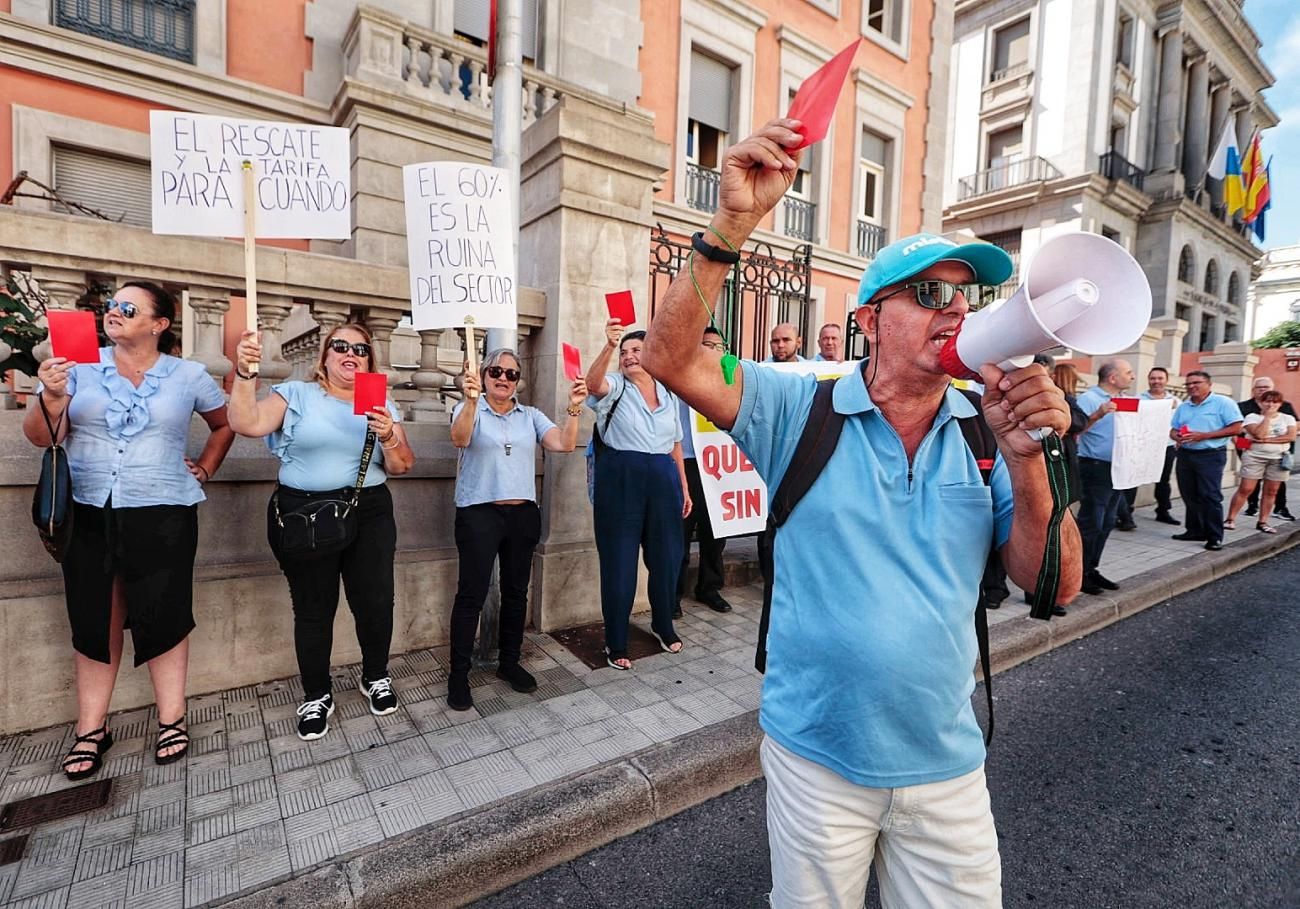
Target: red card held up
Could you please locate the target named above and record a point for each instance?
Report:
(572, 361)
(1126, 405)
(814, 103)
(369, 392)
(72, 335)
(621, 307)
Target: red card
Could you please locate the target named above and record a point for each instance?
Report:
(572, 361)
(621, 307)
(1126, 405)
(369, 392)
(72, 335)
(814, 104)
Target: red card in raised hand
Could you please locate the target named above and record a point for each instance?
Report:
(72, 335)
(1126, 405)
(621, 307)
(572, 361)
(814, 104)
(369, 392)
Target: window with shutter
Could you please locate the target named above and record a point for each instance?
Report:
(710, 97)
(163, 27)
(1010, 50)
(117, 187)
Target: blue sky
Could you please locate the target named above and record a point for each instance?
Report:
(1278, 24)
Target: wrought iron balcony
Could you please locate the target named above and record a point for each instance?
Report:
(1008, 174)
(702, 185)
(800, 218)
(163, 27)
(1114, 166)
(870, 238)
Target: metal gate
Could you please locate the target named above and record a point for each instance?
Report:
(771, 290)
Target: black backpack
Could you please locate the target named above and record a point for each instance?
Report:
(816, 445)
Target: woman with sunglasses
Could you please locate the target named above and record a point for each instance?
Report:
(311, 428)
(124, 422)
(496, 511)
(641, 494)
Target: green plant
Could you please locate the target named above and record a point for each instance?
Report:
(1285, 335)
(21, 309)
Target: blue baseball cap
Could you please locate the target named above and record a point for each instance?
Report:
(912, 255)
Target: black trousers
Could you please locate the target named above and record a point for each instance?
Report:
(1200, 479)
(366, 569)
(1163, 500)
(1098, 504)
(484, 534)
(709, 579)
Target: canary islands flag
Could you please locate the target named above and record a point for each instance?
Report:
(1226, 166)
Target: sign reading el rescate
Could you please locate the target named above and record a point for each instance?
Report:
(301, 177)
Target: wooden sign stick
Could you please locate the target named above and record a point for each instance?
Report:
(471, 346)
(250, 256)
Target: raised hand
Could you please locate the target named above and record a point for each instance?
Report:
(755, 175)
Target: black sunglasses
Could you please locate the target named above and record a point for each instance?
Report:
(339, 346)
(128, 310)
(496, 372)
(940, 294)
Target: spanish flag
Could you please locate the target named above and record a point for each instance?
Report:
(1265, 203)
(1255, 179)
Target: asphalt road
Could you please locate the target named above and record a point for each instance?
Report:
(1153, 765)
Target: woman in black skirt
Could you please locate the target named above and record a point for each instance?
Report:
(130, 564)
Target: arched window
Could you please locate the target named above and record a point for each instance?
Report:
(1186, 266)
(1212, 278)
(1234, 289)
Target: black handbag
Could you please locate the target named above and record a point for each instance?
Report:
(52, 501)
(318, 524)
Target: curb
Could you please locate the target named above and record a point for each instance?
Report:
(483, 852)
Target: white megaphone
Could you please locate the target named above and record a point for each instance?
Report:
(1081, 291)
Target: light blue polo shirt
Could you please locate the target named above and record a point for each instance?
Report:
(1146, 396)
(319, 443)
(684, 417)
(1211, 415)
(1098, 441)
(872, 644)
(635, 427)
(499, 462)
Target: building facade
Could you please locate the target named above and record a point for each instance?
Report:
(1101, 115)
(1275, 295)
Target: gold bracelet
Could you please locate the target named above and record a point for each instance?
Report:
(573, 412)
(386, 447)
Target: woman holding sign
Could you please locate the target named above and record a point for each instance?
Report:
(641, 493)
(325, 448)
(124, 421)
(496, 510)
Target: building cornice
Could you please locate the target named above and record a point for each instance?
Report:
(1163, 209)
(800, 42)
(1227, 31)
(866, 80)
(742, 13)
(95, 63)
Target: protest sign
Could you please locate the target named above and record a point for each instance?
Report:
(1141, 436)
(460, 230)
(734, 494)
(301, 177)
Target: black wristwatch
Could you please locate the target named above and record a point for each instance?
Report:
(711, 252)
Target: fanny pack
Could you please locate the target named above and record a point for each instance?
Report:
(321, 523)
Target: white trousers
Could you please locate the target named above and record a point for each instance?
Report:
(933, 846)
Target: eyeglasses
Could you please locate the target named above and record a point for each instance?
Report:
(940, 294)
(714, 345)
(128, 310)
(496, 372)
(360, 349)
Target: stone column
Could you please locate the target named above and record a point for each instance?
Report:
(1196, 129)
(1142, 355)
(428, 380)
(1169, 347)
(1169, 95)
(1220, 96)
(272, 310)
(1233, 369)
(585, 218)
(62, 287)
(209, 305)
(1192, 341)
(381, 323)
(329, 315)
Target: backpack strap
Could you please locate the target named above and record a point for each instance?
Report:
(816, 444)
(984, 446)
(598, 436)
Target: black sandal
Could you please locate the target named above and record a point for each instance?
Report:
(613, 656)
(101, 739)
(178, 735)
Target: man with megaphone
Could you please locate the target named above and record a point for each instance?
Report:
(866, 702)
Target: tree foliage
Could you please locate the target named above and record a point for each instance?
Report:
(1285, 335)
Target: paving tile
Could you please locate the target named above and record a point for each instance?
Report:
(148, 876)
(662, 722)
(301, 800)
(524, 725)
(358, 835)
(51, 899)
(213, 803)
(101, 891)
(157, 845)
(106, 831)
(460, 743)
(308, 824)
(211, 884)
(399, 820)
(313, 850)
(162, 817)
(103, 859)
(212, 827)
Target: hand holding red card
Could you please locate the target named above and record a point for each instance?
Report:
(572, 361)
(1126, 405)
(814, 103)
(72, 335)
(369, 392)
(621, 307)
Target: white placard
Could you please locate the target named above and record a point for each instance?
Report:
(1141, 438)
(460, 235)
(734, 493)
(302, 177)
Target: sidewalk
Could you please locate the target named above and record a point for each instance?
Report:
(432, 807)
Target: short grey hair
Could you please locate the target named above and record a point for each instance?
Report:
(494, 358)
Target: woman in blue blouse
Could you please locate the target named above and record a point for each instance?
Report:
(125, 422)
(641, 494)
(311, 428)
(496, 511)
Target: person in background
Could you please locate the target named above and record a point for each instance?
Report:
(1098, 499)
(830, 344)
(1203, 427)
(1158, 390)
(709, 578)
(311, 428)
(1258, 388)
(786, 344)
(641, 492)
(124, 422)
(1271, 433)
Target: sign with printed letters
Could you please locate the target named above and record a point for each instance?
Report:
(301, 177)
(460, 230)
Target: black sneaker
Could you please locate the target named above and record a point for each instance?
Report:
(1284, 514)
(314, 717)
(458, 696)
(1104, 582)
(1252, 510)
(520, 679)
(1165, 517)
(379, 693)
